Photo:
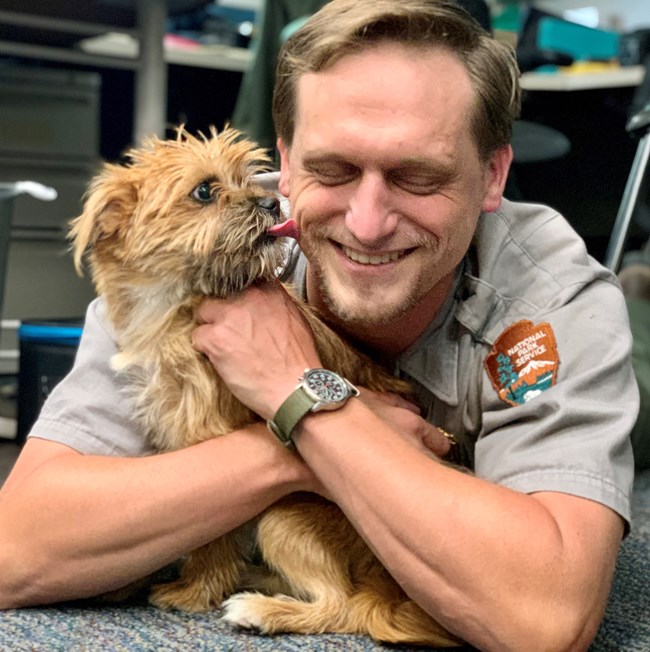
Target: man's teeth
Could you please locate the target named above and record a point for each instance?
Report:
(364, 259)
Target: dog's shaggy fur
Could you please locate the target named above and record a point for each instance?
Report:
(182, 221)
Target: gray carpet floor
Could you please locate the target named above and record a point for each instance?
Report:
(139, 628)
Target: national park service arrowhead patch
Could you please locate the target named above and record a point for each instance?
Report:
(523, 362)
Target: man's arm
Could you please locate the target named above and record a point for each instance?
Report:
(502, 569)
(73, 525)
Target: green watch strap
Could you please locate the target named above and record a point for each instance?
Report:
(289, 414)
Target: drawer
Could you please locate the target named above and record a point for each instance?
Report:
(51, 113)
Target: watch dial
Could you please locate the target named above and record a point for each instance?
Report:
(326, 385)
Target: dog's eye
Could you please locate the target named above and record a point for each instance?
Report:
(203, 192)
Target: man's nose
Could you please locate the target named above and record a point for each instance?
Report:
(371, 217)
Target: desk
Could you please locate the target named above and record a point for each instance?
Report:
(591, 110)
(579, 81)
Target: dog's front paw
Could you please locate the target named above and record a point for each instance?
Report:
(185, 596)
(239, 610)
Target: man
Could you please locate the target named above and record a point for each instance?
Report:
(393, 122)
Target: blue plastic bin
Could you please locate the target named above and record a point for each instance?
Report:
(47, 352)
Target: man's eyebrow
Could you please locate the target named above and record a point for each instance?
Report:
(325, 157)
(423, 164)
(431, 169)
(329, 163)
(424, 167)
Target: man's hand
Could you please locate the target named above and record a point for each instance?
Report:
(404, 417)
(258, 342)
(260, 345)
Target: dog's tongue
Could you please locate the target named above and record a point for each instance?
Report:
(286, 229)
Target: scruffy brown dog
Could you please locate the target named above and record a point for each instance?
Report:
(182, 221)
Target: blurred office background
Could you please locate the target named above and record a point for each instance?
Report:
(82, 81)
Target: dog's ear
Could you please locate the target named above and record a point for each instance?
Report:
(109, 202)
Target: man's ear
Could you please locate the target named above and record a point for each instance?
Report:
(285, 176)
(495, 179)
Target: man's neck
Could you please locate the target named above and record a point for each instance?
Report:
(393, 337)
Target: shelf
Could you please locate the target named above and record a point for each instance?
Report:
(51, 31)
(123, 46)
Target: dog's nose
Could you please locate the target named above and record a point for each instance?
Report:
(269, 203)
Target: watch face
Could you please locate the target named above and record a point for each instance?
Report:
(326, 385)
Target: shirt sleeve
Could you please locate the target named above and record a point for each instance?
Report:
(89, 409)
(574, 437)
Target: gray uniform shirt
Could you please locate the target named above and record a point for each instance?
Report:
(553, 411)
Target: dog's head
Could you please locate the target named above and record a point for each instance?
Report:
(184, 215)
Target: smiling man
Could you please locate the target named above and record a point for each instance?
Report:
(383, 177)
(394, 123)
(394, 120)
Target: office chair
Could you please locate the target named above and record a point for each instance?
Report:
(633, 203)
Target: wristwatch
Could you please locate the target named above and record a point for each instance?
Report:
(318, 389)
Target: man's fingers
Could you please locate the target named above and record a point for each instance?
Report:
(388, 398)
(438, 441)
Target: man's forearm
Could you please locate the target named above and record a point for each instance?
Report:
(81, 525)
(497, 567)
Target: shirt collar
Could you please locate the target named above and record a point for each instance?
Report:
(433, 359)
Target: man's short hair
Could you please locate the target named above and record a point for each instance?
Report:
(344, 27)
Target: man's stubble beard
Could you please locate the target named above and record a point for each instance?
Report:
(365, 313)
